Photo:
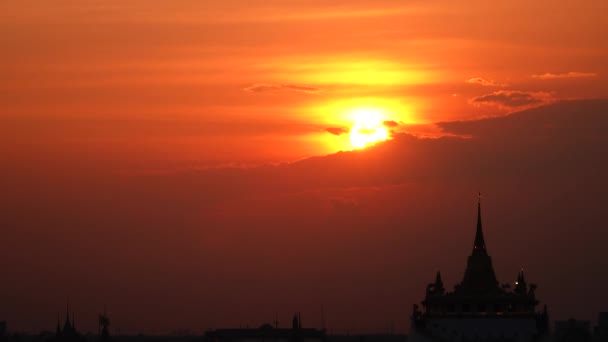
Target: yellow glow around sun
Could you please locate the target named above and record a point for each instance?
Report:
(367, 128)
(361, 119)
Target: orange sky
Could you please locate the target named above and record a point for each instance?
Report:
(262, 80)
(124, 126)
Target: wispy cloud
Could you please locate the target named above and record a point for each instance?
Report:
(340, 13)
(484, 82)
(571, 74)
(514, 99)
(267, 87)
(390, 124)
(337, 130)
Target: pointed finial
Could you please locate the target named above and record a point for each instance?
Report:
(479, 207)
(58, 328)
(479, 245)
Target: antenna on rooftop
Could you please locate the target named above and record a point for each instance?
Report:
(322, 318)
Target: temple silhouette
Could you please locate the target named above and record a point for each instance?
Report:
(69, 332)
(479, 309)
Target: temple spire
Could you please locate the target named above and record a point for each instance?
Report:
(479, 246)
(67, 326)
(479, 275)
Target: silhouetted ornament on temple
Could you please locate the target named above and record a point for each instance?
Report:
(479, 309)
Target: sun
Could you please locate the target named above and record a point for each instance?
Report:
(367, 128)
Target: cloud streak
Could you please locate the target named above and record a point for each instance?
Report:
(513, 99)
(271, 87)
(390, 124)
(572, 74)
(484, 82)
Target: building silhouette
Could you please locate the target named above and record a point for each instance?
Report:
(479, 309)
(3, 332)
(572, 330)
(600, 332)
(268, 333)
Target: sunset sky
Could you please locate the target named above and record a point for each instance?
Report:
(263, 79)
(178, 161)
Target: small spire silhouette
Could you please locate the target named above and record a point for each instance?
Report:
(439, 284)
(67, 312)
(294, 322)
(58, 324)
